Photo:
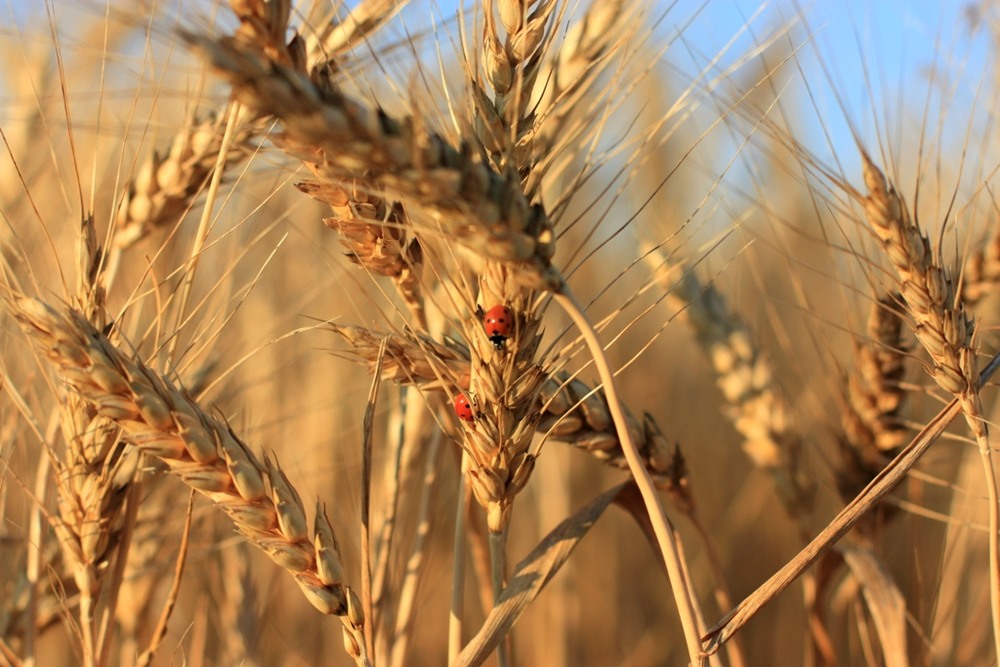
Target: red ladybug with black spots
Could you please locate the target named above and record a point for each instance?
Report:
(498, 322)
(463, 408)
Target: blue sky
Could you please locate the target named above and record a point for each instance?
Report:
(900, 42)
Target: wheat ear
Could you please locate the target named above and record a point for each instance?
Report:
(165, 186)
(872, 430)
(479, 209)
(94, 476)
(943, 329)
(572, 412)
(981, 272)
(203, 451)
(745, 377)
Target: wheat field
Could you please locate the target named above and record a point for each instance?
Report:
(514, 332)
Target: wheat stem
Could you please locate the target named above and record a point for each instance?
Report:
(407, 597)
(664, 530)
(848, 517)
(463, 498)
(206, 216)
(498, 566)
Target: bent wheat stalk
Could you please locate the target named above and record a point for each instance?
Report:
(203, 451)
(848, 517)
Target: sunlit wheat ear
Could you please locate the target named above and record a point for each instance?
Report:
(562, 114)
(981, 272)
(410, 359)
(162, 421)
(571, 411)
(575, 414)
(745, 376)
(165, 186)
(94, 473)
(939, 318)
(456, 193)
(378, 235)
(511, 60)
(873, 431)
(943, 329)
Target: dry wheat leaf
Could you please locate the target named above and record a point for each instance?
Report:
(531, 575)
(885, 602)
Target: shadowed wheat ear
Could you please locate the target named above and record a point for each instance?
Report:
(377, 234)
(981, 272)
(203, 451)
(873, 431)
(943, 329)
(375, 230)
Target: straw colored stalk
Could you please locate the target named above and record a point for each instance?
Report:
(873, 432)
(451, 189)
(943, 329)
(202, 450)
(745, 376)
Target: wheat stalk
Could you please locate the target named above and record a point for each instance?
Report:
(203, 451)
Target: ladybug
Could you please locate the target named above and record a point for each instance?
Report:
(498, 321)
(463, 408)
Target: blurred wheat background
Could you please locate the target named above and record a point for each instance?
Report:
(252, 252)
